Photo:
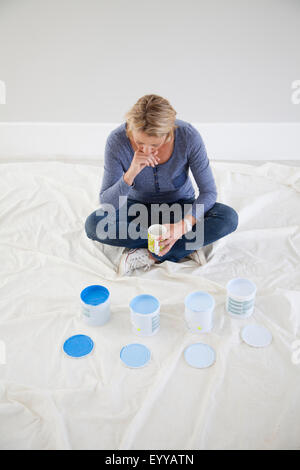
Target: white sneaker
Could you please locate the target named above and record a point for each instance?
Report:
(134, 259)
(198, 256)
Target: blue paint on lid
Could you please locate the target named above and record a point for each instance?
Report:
(199, 355)
(135, 355)
(199, 301)
(78, 346)
(144, 304)
(94, 295)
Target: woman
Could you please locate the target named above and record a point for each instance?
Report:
(147, 161)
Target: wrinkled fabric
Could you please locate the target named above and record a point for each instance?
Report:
(249, 399)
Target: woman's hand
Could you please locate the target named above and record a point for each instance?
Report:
(140, 160)
(174, 232)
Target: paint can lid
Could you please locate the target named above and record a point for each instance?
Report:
(78, 346)
(200, 355)
(144, 304)
(135, 355)
(94, 295)
(256, 335)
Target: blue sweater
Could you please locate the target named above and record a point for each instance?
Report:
(167, 182)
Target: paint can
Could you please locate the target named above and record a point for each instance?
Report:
(145, 315)
(240, 297)
(95, 305)
(155, 231)
(198, 313)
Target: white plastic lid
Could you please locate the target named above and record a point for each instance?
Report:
(200, 355)
(256, 335)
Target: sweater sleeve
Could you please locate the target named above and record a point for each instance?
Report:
(113, 184)
(201, 170)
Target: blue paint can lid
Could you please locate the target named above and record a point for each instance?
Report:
(94, 295)
(199, 355)
(135, 355)
(78, 346)
(144, 304)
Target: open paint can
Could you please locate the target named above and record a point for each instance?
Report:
(145, 315)
(154, 232)
(240, 297)
(95, 305)
(199, 307)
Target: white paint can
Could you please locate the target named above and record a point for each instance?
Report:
(240, 297)
(198, 313)
(95, 305)
(145, 315)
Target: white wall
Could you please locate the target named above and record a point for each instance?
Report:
(90, 60)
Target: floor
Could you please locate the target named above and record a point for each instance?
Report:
(249, 399)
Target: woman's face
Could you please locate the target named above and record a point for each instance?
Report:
(147, 144)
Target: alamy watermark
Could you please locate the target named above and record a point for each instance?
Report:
(137, 228)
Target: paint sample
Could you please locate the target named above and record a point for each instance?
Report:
(256, 335)
(135, 355)
(144, 304)
(94, 295)
(78, 346)
(199, 301)
(200, 355)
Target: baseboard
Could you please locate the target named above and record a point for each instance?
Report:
(224, 141)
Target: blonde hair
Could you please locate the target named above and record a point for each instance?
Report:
(152, 115)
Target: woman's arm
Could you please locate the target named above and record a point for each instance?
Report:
(202, 173)
(199, 165)
(116, 182)
(113, 182)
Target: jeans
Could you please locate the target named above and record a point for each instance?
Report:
(219, 221)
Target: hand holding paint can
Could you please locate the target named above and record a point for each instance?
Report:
(154, 232)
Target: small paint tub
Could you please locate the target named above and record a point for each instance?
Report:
(145, 315)
(240, 298)
(95, 305)
(199, 307)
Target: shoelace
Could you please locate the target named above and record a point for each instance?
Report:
(139, 260)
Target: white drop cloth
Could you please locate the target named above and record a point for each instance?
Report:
(249, 399)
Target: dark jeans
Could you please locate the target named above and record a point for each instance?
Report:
(218, 222)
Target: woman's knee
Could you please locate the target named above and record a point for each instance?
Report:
(231, 218)
(95, 223)
(90, 226)
(227, 216)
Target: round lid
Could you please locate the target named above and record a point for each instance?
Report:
(199, 301)
(199, 355)
(78, 346)
(94, 295)
(144, 304)
(256, 335)
(135, 355)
